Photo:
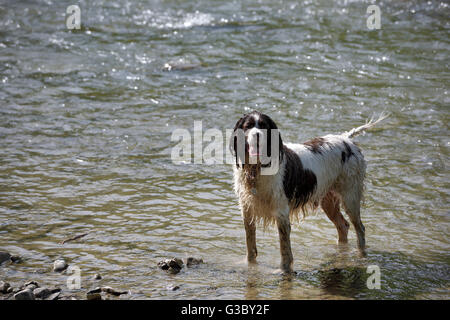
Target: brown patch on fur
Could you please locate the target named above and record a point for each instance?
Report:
(315, 144)
(299, 184)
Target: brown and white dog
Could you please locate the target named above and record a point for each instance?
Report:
(275, 185)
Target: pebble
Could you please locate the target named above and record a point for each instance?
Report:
(42, 293)
(173, 265)
(4, 256)
(108, 290)
(60, 265)
(16, 259)
(96, 290)
(173, 288)
(5, 287)
(97, 276)
(54, 295)
(24, 295)
(191, 261)
(112, 291)
(31, 285)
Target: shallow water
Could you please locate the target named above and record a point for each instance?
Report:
(86, 120)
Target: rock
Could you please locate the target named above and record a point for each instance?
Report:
(60, 265)
(5, 287)
(176, 263)
(54, 294)
(97, 276)
(94, 296)
(42, 293)
(163, 265)
(173, 288)
(4, 256)
(191, 261)
(16, 259)
(96, 290)
(173, 265)
(112, 291)
(24, 295)
(31, 285)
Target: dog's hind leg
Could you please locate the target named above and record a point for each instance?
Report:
(250, 234)
(351, 202)
(330, 205)
(284, 232)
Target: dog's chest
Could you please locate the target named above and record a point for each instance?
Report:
(264, 188)
(265, 192)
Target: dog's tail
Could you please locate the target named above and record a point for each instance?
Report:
(368, 125)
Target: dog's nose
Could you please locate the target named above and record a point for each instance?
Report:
(254, 143)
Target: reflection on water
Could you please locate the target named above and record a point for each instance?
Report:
(85, 137)
(401, 278)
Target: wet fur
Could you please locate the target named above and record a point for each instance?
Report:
(326, 171)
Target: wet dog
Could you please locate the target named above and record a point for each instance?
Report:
(275, 182)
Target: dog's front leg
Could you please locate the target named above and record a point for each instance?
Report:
(250, 233)
(284, 231)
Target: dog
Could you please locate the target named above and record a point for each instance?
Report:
(276, 185)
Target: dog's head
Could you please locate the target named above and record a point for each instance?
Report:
(253, 141)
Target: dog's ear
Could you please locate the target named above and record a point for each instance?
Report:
(269, 143)
(280, 146)
(233, 140)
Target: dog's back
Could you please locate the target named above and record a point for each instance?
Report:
(335, 161)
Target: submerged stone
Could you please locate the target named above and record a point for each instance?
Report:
(97, 276)
(60, 265)
(191, 261)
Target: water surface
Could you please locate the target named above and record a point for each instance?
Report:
(86, 119)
